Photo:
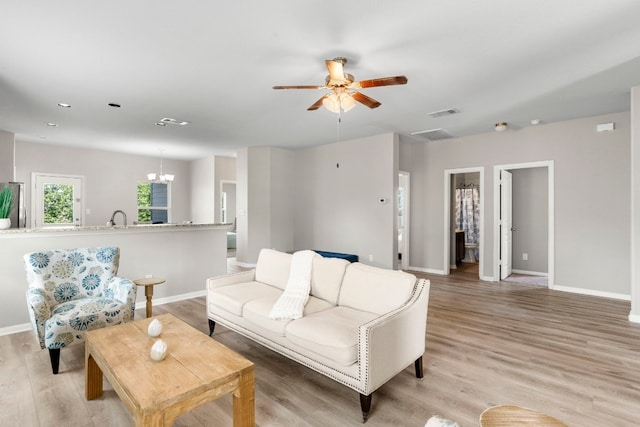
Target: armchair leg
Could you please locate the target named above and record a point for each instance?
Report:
(418, 365)
(365, 405)
(212, 326)
(54, 355)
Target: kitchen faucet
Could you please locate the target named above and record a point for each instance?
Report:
(112, 222)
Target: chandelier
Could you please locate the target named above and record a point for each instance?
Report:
(161, 178)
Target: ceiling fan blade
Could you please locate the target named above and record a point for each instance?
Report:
(336, 69)
(317, 104)
(364, 99)
(300, 87)
(384, 81)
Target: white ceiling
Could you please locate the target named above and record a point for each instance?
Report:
(214, 63)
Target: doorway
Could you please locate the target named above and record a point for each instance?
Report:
(57, 201)
(523, 240)
(464, 250)
(403, 200)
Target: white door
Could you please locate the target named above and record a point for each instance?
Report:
(403, 220)
(57, 201)
(506, 223)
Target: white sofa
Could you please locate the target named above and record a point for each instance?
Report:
(361, 326)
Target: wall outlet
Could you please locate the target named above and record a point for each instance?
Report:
(148, 276)
(525, 257)
(370, 258)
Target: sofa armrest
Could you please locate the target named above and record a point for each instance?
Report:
(39, 311)
(231, 279)
(393, 341)
(122, 290)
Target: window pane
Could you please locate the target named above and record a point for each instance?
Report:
(153, 195)
(58, 204)
(159, 216)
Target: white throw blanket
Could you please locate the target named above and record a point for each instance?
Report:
(291, 303)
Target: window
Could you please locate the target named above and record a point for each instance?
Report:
(153, 203)
(57, 201)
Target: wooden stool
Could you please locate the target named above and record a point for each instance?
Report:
(148, 283)
(515, 416)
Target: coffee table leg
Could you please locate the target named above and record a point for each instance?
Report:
(244, 411)
(92, 377)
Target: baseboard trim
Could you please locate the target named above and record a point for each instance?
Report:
(15, 329)
(246, 264)
(427, 270)
(635, 318)
(173, 298)
(591, 292)
(530, 273)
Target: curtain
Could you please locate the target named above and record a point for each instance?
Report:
(468, 214)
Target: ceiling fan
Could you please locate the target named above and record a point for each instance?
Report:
(343, 87)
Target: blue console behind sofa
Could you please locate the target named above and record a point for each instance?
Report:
(348, 257)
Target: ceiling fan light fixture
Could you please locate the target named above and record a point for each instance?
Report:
(501, 127)
(347, 102)
(339, 101)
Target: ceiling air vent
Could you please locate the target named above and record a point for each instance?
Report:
(171, 121)
(441, 113)
(433, 134)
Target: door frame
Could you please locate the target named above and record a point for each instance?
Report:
(406, 245)
(549, 164)
(222, 184)
(448, 173)
(35, 204)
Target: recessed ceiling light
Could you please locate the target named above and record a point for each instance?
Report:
(64, 105)
(51, 125)
(114, 105)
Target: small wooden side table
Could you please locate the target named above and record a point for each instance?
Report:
(511, 416)
(148, 283)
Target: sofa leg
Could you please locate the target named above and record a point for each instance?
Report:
(365, 405)
(54, 355)
(212, 326)
(418, 365)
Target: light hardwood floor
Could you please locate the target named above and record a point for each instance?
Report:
(574, 357)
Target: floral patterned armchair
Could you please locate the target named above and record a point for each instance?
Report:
(72, 291)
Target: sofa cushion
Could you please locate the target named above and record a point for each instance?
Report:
(273, 268)
(257, 312)
(376, 290)
(326, 278)
(331, 333)
(232, 298)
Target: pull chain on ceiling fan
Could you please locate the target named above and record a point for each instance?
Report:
(343, 87)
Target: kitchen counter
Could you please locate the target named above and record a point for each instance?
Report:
(183, 254)
(135, 227)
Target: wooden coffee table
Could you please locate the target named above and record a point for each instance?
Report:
(197, 369)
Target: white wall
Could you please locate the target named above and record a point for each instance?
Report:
(635, 205)
(6, 156)
(264, 200)
(225, 170)
(338, 187)
(110, 178)
(203, 190)
(592, 187)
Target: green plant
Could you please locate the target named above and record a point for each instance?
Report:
(6, 200)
